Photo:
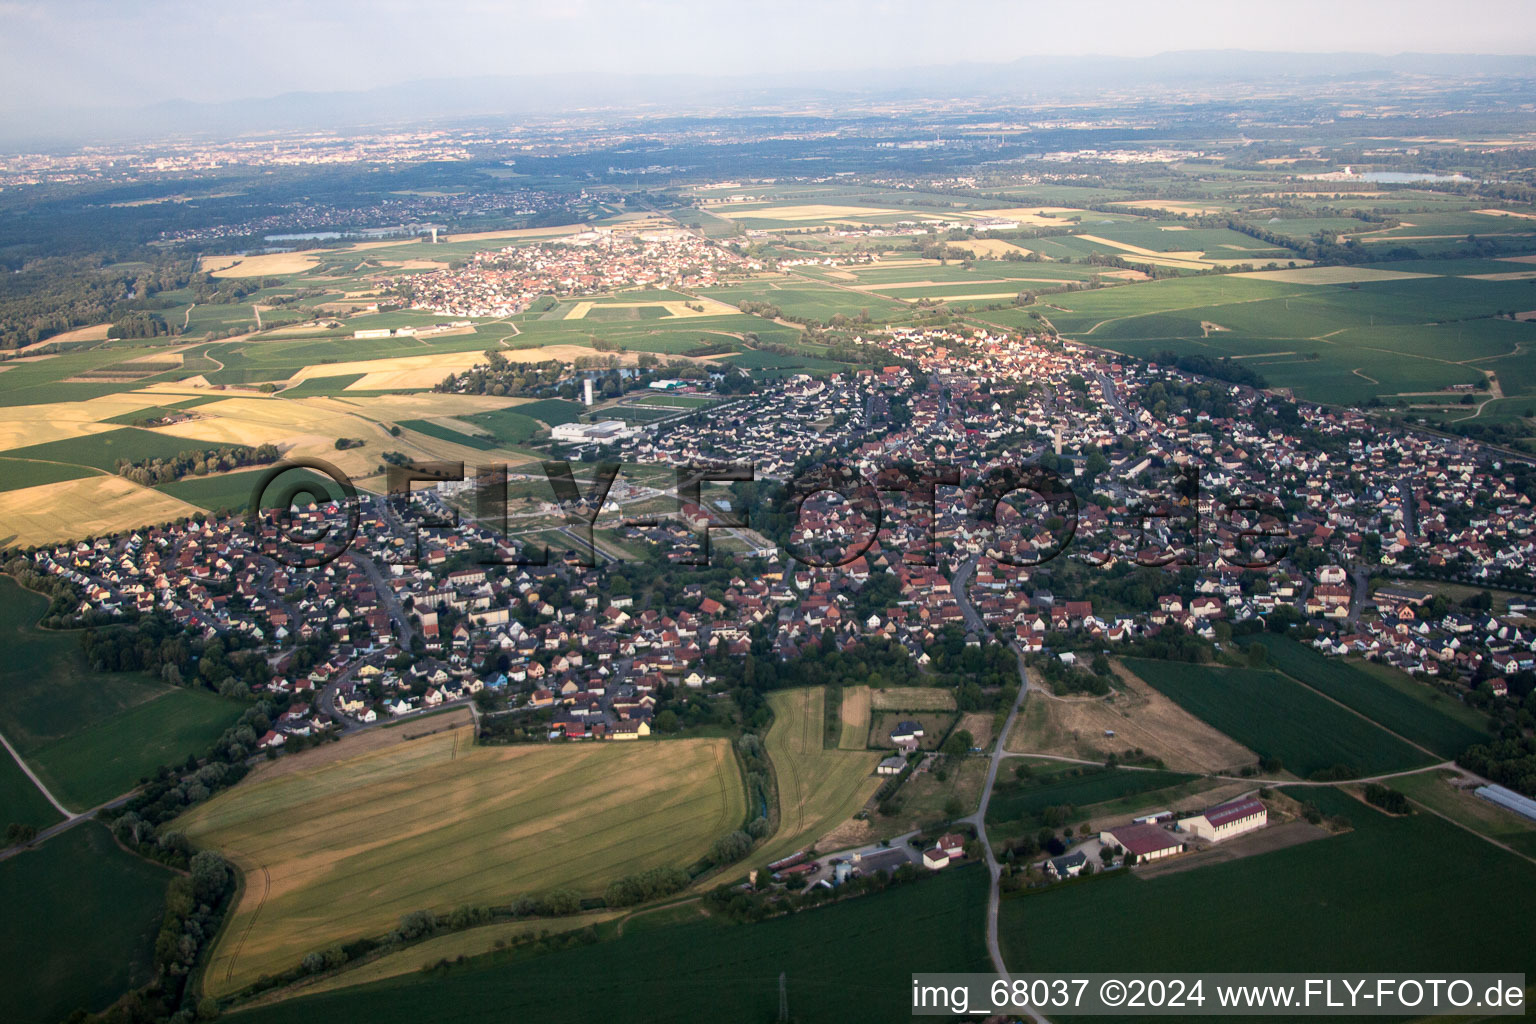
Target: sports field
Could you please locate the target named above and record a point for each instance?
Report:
(80, 922)
(819, 789)
(343, 848)
(1276, 716)
(1379, 897)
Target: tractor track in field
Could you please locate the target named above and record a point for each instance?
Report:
(234, 954)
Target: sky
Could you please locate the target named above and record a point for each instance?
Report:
(91, 53)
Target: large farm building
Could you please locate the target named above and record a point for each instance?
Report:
(1227, 820)
(1145, 841)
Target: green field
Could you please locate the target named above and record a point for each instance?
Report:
(839, 963)
(553, 411)
(18, 473)
(91, 735)
(21, 802)
(443, 433)
(340, 850)
(1415, 711)
(510, 427)
(1347, 342)
(101, 451)
(232, 491)
(1387, 896)
(80, 922)
(819, 789)
(1274, 716)
(1461, 805)
(1078, 787)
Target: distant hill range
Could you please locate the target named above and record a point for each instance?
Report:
(1035, 78)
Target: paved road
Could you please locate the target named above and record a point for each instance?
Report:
(979, 819)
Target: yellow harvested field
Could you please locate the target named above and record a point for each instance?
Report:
(478, 236)
(258, 266)
(1516, 275)
(855, 718)
(77, 508)
(310, 426)
(1519, 259)
(712, 307)
(1331, 275)
(1170, 206)
(341, 849)
(1506, 213)
(813, 211)
(819, 789)
(395, 372)
(912, 698)
(1030, 216)
(1192, 257)
(22, 425)
(96, 332)
(986, 248)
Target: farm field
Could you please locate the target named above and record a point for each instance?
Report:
(838, 963)
(471, 942)
(1372, 332)
(72, 724)
(1140, 718)
(855, 719)
(1435, 791)
(1055, 785)
(21, 802)
(105, 760)
(912, 698)
(232, 491)
(1414, 711)
(318, 870)
(819, 789)
(1278, 717)
(86, 912)
(1381, 893)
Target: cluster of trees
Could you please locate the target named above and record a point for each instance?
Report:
(196, 462)
(647, 885)
(56, 294)
(1510, 762)
(764, 902)
(1388, 799)
(139, 324)
(1220, 368)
